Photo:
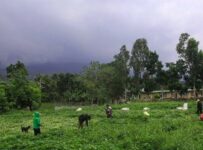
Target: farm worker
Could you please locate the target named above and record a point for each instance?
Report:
(108, 111)
(199, 106)
(36, 123)
(201, 117)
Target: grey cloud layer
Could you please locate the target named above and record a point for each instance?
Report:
(84, 30)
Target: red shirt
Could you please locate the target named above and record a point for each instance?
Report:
(201, 117)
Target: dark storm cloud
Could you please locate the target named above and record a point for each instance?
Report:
(83, 30)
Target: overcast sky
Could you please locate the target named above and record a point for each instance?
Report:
(39, 31)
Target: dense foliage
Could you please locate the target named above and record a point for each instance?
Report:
(125, 77)
(17, 91)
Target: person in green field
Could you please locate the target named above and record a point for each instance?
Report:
(36, 123)
(108, 111)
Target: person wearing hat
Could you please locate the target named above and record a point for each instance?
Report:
(108, 111)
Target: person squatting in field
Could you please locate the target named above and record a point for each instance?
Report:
(36, 123)
(108, 111)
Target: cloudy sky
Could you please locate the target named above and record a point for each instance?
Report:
(40, 31)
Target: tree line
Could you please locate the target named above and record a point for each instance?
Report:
(125, 77)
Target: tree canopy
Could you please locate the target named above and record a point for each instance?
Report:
(126, 76)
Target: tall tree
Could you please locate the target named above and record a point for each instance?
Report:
(189, 53)
(17, 70)
(174, 77)
(89, 77)
(200, 66)
(20, 91)
(121, 64)
(110, 82)
(139, 55)
(152, 68)
(153, 65)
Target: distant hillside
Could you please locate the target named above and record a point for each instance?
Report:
(50, 68)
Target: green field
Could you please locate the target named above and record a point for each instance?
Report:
(166, 128)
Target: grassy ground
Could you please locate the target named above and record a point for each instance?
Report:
(166, 128)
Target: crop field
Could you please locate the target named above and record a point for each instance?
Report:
(165, 129)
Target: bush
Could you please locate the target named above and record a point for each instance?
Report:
(157, 96)
(4, 105)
